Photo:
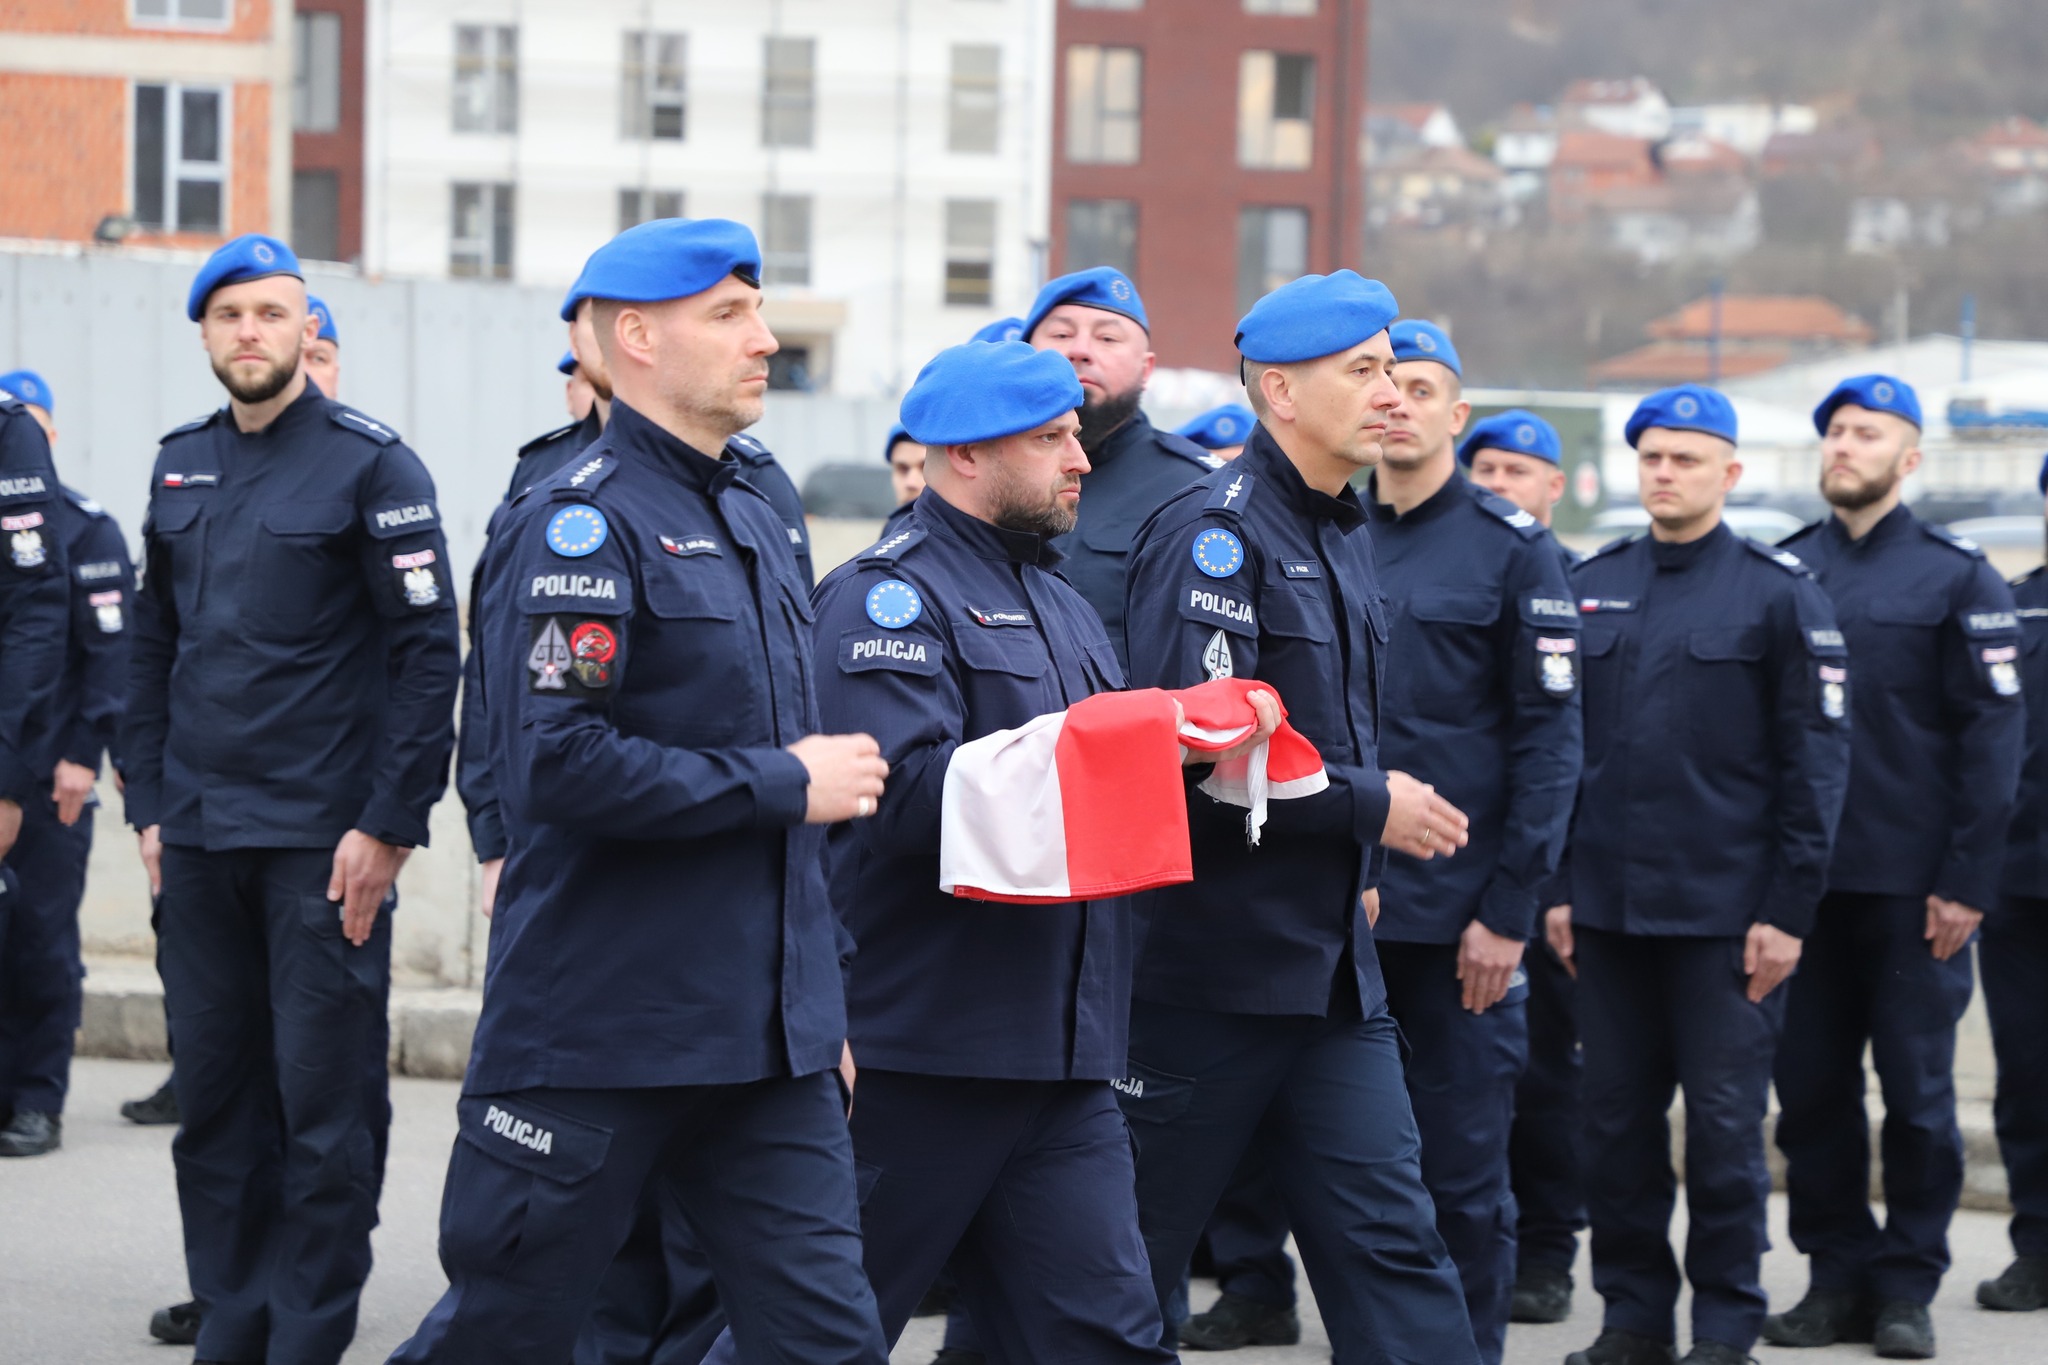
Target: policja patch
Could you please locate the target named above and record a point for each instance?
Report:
(1555, 668)
(415, 579)
(25, 543)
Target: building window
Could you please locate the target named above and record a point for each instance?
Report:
(486, 78)
(785, 239)
(652, 86)
(788, 91)
(1103, 94)
(201, 13)
(1276, 93)
(480, 232)
(970, 251)
(316, 72)
(1279, 6)
(971, 116)
(644, 206)
(1102, 232)
(316, 215)
(181, 158)
(1272, 248)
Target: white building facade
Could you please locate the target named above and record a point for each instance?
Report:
(890, 154)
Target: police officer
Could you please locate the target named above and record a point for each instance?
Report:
(578, 393)
(62, 695)
(1221, 430)
(905, 458)
(1258, 990)
(289, 721)
(1097, 321)
(1939, 729)
(1482, 696)
(1517, 455)
(1716, 755)
(647, 686)
(2013, 958)
(323, 353)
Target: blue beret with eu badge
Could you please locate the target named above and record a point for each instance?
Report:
(1688, 407)
(318, 308)
(1002, 329)
(1221, 428)
(29, 387)
(1877, 392)
(1104, 287)
(983, 392)
(669, 258)
(897, 432)
(1517, 431)
(1415, 339)
(252, 256)
(1315, 316)
(567, 364)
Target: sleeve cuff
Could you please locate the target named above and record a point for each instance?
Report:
(781, 788)
(390, 823)
(487, 836)
(1369, 805)
(1508, 910)
(1791, 913)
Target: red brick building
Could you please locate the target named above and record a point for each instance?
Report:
(1210, 148)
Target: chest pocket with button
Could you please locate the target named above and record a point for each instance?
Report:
(1297, 655)
(1446, 658)
(1602, 683)
(1003, 668)
(1727, 695)
(303, 577)
(696, 677)
(176, 533)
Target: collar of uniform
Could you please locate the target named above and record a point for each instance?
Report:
(1436, 504)
(1667, 555)
(985, 538)
(299, 411)
(1139, 428)
(630, 431)
(1269, 463)
(1890, 524)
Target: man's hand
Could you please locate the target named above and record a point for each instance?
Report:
(1557, 932)
(10, 825)
(72, 787)
(847, 1072)
(1949, 926)
(1486, 964)
(364, 869)
(1265, 706)
(846, 776)
(1768, 957)
(1369, 901)
(488, 888)
(1419, 822)
(151, 838)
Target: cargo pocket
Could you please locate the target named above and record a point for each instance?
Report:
(517, 1199)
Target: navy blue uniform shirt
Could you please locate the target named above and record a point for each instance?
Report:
(1940, 722)
(545, 454)
(1717, 738)
(1138, 468)
(297, 618)
(95, 691)
(34, 602)
(1482, 702)
(2026, 850)
(663, 917)
(939, 985)
(1251, 573)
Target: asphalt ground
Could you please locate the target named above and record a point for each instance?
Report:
(90, 1246)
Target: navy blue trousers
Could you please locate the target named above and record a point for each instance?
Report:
(1658, 1015)
(1867, 976)
(544, 1187)
(1247, 1235)
(1544, 1161)
(41, 974)
(275, 1014)
(1462, 1070)
(658, 1301)
(1347, 1160)
(2012, 957)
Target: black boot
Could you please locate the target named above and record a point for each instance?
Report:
(2021, 1287)
(1237, 1322)
(1616, 1347)
(1715, 1353)
(160, 1108)
(177, 1325)
(1543, 1293)
(1904, 1331)
(1822, 1318)
(30, 1133)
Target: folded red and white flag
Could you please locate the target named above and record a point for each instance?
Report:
(1088, 802)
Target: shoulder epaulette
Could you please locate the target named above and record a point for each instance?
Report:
(577, 480)
(195, 424)
(1230, 491)
(82, 502)
(1804, 531)
(1514, 516)
(749, 451)
(1186, 449)
(9, 403)
(1778, 555)
(894, 547)
(348, 419)
(2030, 575)
(1618, 543)
(548, 438)
(1952, 540)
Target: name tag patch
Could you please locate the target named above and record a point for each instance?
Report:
(1001, 616)
(191, 480)
(1301, 568)
(1589, 605)
(685, 546)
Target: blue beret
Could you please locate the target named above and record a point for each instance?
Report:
(1315, 316)
(897, 432)
(29, 387)
(1005, 329)
(1689, 407)
(1221, 427)
(319, 309)
(252, 256)
(567, 364)
(1104, 287)
(1415, 339)
(982, 392)
(1517, 431)
(668, 258)
(1878, 392)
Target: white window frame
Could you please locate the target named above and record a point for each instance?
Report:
(175, 167)
(980, 253)
(641, 95)
(971, 96)
(788, 102)
(171, 19)
(1089, 140)
(775, 259)
(488, 266)
(304, 22)
(1265, 141)
(500, 114)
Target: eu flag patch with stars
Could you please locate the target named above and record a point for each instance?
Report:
(1218, 553)
(894, 604)
(577, 531)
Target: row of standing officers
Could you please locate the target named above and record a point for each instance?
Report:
(715, 799)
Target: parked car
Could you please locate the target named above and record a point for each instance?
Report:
(2003, 533)
(849, 490)
(1766, 524)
